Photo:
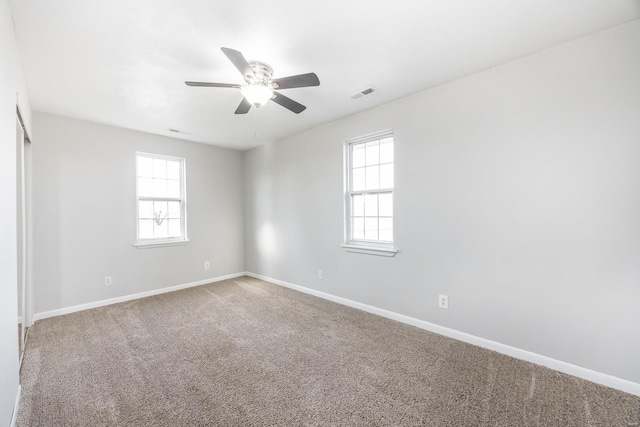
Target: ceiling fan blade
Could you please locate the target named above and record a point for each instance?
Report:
(205, 84)
(239, 61)
(244, 107)
(288, 103)
(301, 80)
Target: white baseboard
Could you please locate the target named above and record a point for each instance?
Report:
(558, 365)
(95, 304)
(16, 406)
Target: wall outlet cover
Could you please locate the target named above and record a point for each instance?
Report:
(443, 301)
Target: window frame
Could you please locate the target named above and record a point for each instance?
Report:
(372, 247)
(163, 241)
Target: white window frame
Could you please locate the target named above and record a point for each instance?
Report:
(169, 241)
(371, 247)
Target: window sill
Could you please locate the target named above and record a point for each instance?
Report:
(148, 245)
(370, 250)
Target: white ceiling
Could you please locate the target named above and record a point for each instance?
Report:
(124, 62)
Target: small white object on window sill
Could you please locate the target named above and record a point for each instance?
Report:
(147, 245)
(370, 250)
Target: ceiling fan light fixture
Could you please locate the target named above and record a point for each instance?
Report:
(257, 94)
(260, 88)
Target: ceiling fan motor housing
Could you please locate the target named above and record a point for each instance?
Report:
(262, 74)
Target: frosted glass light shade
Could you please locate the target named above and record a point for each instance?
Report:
(257, 95)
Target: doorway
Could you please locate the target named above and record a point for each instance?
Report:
(23, 215)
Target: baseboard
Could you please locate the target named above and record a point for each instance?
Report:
(558, 365)
(16, 406)
(95, 304)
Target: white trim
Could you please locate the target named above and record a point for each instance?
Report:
(558, 365)
(23, 234)
(95, 304)
(160, 244)
(16, 407)
(370, 136)
(370, 250)
(158, 156)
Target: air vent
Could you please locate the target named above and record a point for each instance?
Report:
(364, 92)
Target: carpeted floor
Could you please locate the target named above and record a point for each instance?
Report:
(245, 352)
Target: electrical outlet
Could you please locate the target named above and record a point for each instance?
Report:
(206, 265)
(319, 274)
(107, 280)
(443, 301)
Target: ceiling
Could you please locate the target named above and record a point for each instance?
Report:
(124, 62)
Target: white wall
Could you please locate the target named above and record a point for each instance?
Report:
(85, 209)
(12, 91)
(517, 194)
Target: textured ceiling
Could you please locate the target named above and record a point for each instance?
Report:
(124, 62)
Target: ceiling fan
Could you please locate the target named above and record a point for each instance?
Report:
(260, 87)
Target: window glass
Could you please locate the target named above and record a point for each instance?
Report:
(161, 203)
(370, 186)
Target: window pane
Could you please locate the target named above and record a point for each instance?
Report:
(174, 227)
(173, 188)
(174, 209)
(373, 153)
(385, 201)
(145, 187)
(358, 179)
(160, 187)
(160, 230)
(371, 228)
(159, 168)
(386, 176)
(371, 205)
(145, 209)
(357, 205)
(386, 150)
(357, 228)
(145, 229)
(371, 171)
(145, 166)
(357, 154)
(160, 178)
(372, 177)
(386, 229)
(173, 169)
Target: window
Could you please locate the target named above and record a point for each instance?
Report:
(369, 191)
(161, 200)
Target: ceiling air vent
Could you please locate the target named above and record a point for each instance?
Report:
(363, 92)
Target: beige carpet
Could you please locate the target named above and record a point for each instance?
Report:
(244, 352)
